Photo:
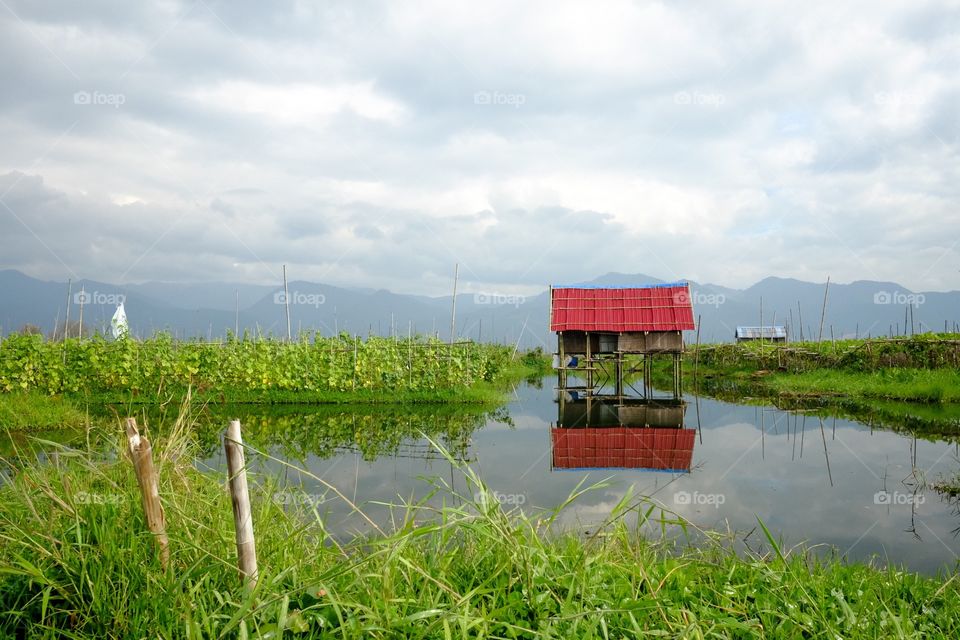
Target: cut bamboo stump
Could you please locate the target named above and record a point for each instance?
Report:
(141, 454)
(240, 495)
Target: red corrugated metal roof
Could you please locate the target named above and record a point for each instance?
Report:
(623, 447)
(641, 308)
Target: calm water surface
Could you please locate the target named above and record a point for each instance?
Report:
(820, 481)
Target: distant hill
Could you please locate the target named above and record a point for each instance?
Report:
(210, 309)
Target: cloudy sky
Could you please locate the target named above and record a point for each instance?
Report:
(376, 144)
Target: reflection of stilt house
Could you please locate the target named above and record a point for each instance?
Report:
(631, 434)
(766, 333)
(598, 326)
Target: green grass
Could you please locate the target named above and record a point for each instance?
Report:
(311, 370)
(915, 385)
(312, 364)
(75, 562)
(922, 369)
(38, 412)
(479, 393)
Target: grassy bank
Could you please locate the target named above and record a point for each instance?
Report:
(922, 369)
(39, 412)
(49, 385)
(913, 385)
(75, 561)
(253, 366)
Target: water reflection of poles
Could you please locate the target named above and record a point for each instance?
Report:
(803, 430)
(823, 436)
(763, 444)
(699, 430)
(356, 475)
(796, 419)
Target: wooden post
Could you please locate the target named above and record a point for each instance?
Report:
(141, 454)
(242, 515)
(618, 369)
(676, 376)
(589, 359)
(561, 370)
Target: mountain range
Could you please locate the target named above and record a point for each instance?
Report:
(209, 310)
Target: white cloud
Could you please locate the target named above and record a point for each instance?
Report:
(301, 104)
(346, 139)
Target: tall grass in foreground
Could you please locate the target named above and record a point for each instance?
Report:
(76, 561)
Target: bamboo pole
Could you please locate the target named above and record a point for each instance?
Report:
(800, 320)
(286, 301)
(761, 330)
(823, 310)
(240, 496)
(453, 310)
(696, 357)
(80, 329)
(141, 454)
(66, 320)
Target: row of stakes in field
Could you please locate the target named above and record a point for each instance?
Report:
(141, 454)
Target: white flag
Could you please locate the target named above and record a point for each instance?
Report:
(118, 324)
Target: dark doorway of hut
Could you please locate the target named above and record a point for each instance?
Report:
(606, 335)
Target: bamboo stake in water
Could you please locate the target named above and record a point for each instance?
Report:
(141, 454)
(242, 515)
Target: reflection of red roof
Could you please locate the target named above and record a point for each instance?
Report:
(623, 447)
(662, 307)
